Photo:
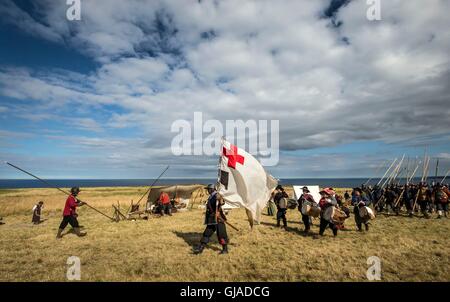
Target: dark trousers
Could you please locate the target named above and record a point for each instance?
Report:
(36, 219)
(358, 219)
(72, 220)
(306, 222)
(442, 206)
(409, 205)
(221, 230)
(166, 209)
(281, 215)
(423, 206)
(388, 205)
(324, 224)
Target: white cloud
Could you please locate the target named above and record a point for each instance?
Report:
(265, 60)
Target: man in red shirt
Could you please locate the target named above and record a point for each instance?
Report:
(166, 207)
(70, 215)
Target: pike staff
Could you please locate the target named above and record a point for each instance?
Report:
(436, 171)
(407, 183)
(59, 189)
(376, 171)
(446, 174)
(385, 173)
(151, 186)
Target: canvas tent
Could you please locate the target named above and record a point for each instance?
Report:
(314, 191)
(182, 194)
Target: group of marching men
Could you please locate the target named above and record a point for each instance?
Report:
(333, 209)
(427, 199)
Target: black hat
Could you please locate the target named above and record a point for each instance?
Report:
(279, 187)
(305, 188)
(75, 190)
(210, 186)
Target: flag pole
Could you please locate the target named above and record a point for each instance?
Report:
(219, 164)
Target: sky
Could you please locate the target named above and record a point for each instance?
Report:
(96, 98)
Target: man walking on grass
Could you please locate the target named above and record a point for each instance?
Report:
(215, 222)
(70, 215)
(280, 200)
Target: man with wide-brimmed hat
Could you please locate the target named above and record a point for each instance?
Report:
(326, 202)
(215, 221)
(70, 215)
(424, 198)
(306, 197)
(441, 196)
(360, 200)
(280, 199)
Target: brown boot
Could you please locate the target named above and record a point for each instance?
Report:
(79, 233)
(59, 235)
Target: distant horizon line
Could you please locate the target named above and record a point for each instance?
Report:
(303, 177)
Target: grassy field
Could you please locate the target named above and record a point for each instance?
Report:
(160, 249)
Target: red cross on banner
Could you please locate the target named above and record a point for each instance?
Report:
(233, 156)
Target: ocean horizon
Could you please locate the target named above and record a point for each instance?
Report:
(65, 183)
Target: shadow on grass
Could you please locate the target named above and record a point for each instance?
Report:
(288, 228)
(301, 232)
(193, 239)
(71, 231)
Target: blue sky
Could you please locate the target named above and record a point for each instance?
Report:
(96, 98)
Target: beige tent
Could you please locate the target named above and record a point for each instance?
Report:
(182, 194)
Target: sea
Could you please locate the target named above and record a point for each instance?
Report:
(66, 183)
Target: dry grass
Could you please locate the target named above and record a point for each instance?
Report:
(160, 249)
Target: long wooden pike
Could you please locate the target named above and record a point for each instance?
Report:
(446, 174)
(385, 173)
(376, 171)
(59, 189)
(424, 164)
(407, 169)
(412, 175)
(436, 170)
(148, 190)
(428, 168)
(393, 173)
(407, 183)
(398, 169)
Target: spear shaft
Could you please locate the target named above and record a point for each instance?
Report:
(59, 189)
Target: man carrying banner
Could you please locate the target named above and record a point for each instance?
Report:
(215, 222)
(243, 182)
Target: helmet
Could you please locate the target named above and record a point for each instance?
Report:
(75, 190)
(210, 186)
